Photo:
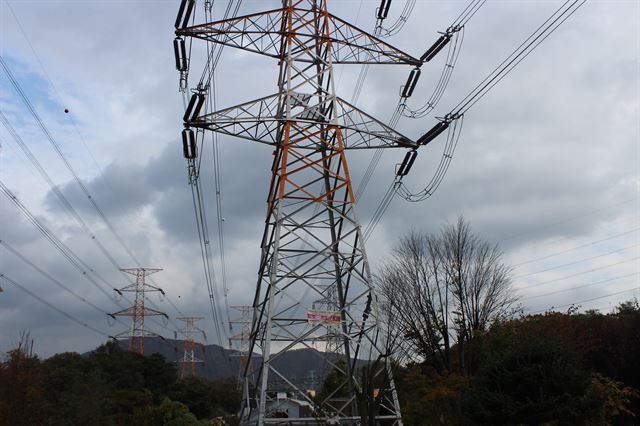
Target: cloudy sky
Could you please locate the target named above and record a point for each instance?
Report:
(547, 165)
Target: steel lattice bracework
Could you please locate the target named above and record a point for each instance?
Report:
(138, 311)
(312, 248)
(189, 360)
(244, 337)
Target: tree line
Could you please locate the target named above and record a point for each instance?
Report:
(110, 386)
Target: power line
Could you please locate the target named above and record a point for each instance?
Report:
(565, 220)
(66, 252)
(583, 272)
(68, 165)
(56, 190)
(217, 178)
(55, 90)
(202, 230)
(577, 247)
(50, 278)
(587, 300)
(547, 28)
(578, 287)
(82, 140)
(81, 266)
(576, 262)
(213, 56)
(457, 28)
(55, 308)
(400, 22)
(59, 195)
(63, 157)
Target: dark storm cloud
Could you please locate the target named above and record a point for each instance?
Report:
(124, 190)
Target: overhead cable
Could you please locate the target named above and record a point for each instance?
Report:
(79, 133)
(62, 156)
(5, 278)
(599, 268)
(617, 293)
(591, 243)
(455, 31)
(58, 150)
(575, 262)
(577, 287)
(383, 11)
(20, 256)
(66, 252)
(547, 28)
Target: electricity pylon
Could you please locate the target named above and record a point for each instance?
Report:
(243, 338)
(189, 360)
(138, 311)
(312, 244)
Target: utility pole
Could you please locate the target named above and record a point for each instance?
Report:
(189, 360)
(312, 246)
(138, 311)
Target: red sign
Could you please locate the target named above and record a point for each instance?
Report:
(331, 317)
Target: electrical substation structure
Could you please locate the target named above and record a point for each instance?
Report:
(314, 282)
(138, 311)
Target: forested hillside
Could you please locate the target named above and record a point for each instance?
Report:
(552, 369)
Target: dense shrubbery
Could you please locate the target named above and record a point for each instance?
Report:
(109, 387)
(552, 369)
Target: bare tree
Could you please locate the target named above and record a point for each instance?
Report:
(440, 290)
(417, 299)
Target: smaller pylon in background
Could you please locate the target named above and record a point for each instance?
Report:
(243, 338)
(138, 311)
(189, 360)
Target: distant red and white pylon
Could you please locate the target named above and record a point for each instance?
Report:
(138, 311)
(189, 360)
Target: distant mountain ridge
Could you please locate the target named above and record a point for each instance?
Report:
(307, 367)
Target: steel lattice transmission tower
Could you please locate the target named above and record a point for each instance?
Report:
(243, 338)
(188, 333)
(138, 311)
(312, 246)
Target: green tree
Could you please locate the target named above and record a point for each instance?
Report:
(22, 399)
(73, 387)
(429, 397)
(172, 413)
(615, 401)
(528, 379)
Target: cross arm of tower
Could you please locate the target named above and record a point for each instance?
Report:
(132, 288)
(127, 312)
(190, 360)
(258, 121)
(135, 271)
(262, 33)
(153, 312)
(146, 333)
